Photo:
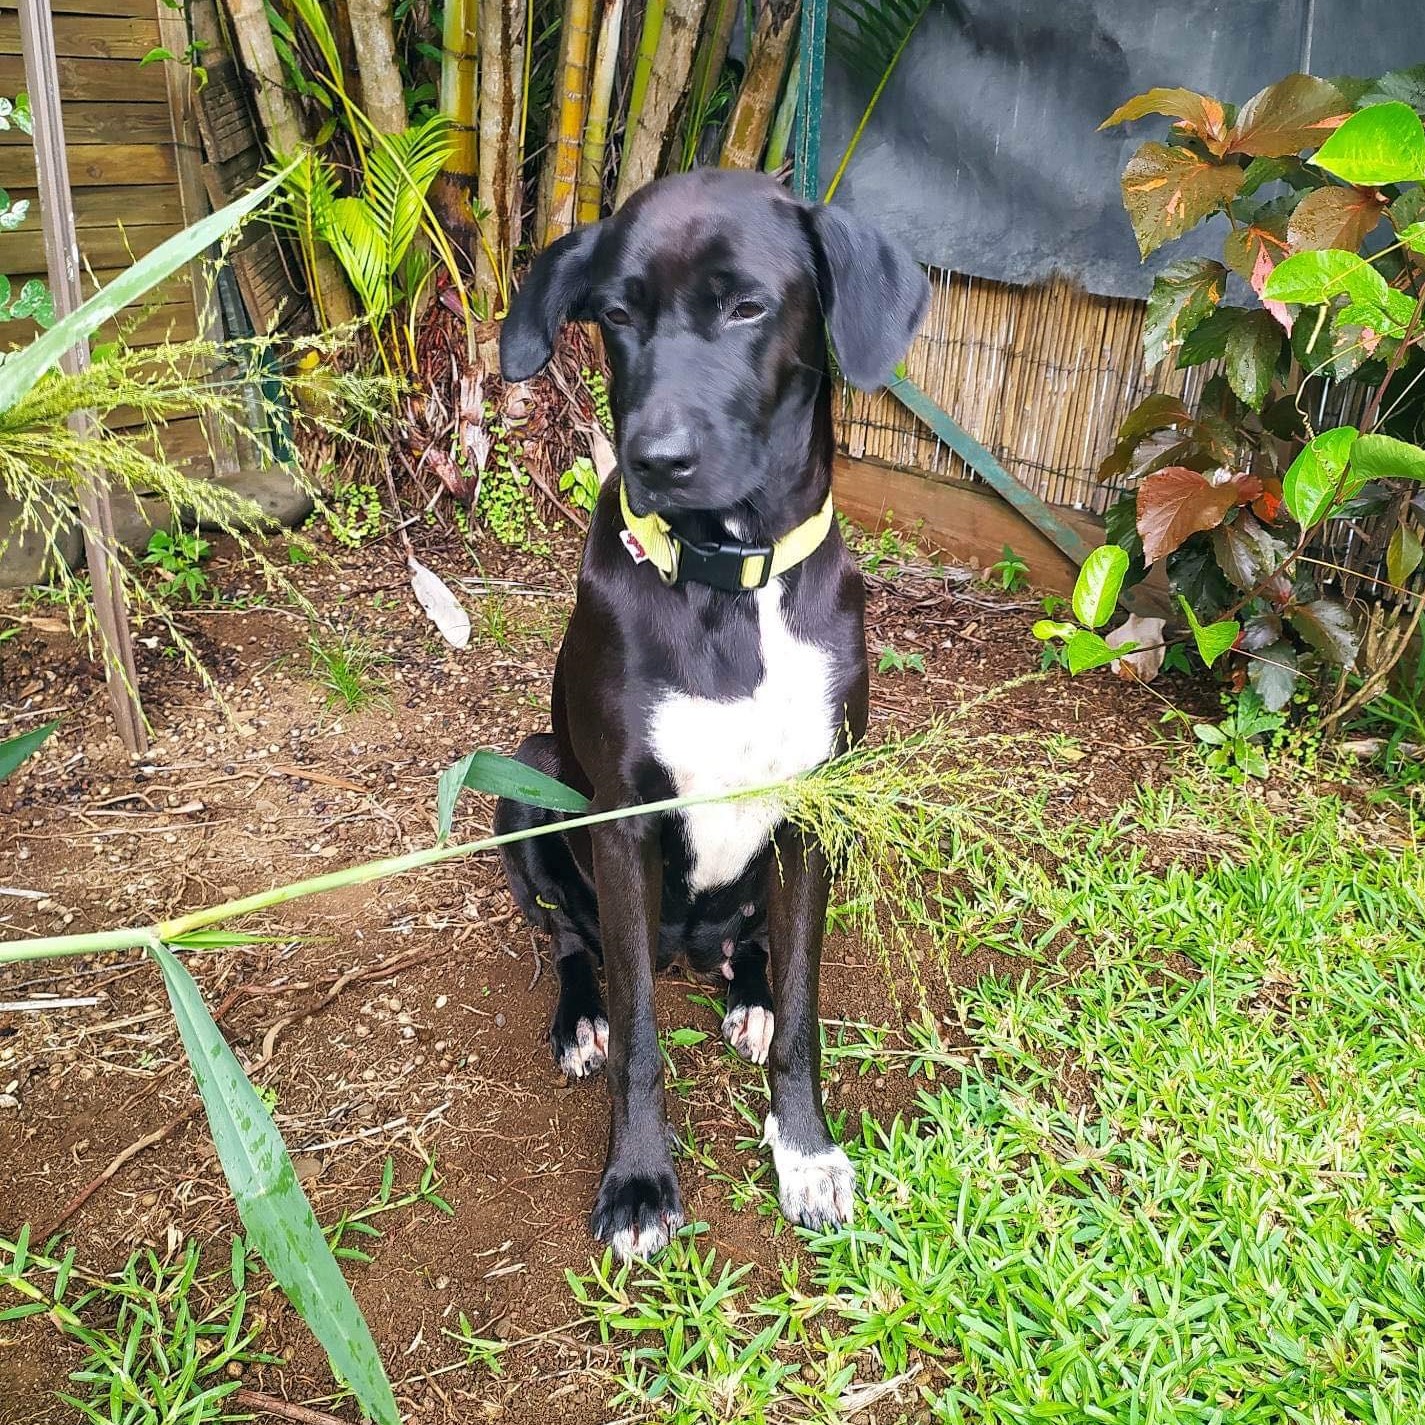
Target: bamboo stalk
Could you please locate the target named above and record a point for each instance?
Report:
(590, 195)
(282, 126)
(374, 39)
(718, 25)
(761, 83)
(648, 39)
(646, 139)
(566, 122)
(454, 191)
(781, 135)
(502, 53)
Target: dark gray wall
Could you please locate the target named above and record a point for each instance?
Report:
(983, 154)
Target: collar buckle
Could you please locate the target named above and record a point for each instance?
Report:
(719, 563)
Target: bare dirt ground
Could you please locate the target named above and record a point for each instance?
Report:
(404, 1019)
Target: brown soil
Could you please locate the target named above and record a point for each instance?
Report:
(436, 1044)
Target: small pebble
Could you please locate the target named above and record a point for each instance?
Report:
(499, 1021)
(441, 1001)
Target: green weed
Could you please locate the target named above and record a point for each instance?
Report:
(348, 668)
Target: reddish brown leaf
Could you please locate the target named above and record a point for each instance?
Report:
(1334, 217)
(1268, 505)
(1177, 502)
(1243, 249)
(1169, 190)
(1197, 113)
(1295, 113)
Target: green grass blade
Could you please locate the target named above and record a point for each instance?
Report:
(502, 777)
(15, 749)
(20, 371)
(279, 1220)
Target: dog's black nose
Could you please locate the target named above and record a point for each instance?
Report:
(661, 454)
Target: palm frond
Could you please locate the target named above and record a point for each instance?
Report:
(399, 171)
(360, 244)
(319, 28)
(868, 36)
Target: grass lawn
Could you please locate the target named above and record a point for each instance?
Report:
(1180, 1177)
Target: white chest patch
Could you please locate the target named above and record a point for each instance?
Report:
(708, 745)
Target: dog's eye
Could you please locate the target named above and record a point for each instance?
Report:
(617, 317)
(747, 311)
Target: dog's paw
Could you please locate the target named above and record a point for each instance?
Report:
(748, 1031)
(815, 1189)
(584, 1051)
(637, 1214)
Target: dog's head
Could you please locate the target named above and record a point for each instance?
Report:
(714, 291)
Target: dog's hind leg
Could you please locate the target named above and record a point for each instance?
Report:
(747, 1021)
(557, 896)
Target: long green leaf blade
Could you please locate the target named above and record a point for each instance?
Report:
(20, 371)
(279, 1220)
(502, 777)
(15, 749)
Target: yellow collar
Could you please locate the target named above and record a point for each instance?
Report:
(731, 566)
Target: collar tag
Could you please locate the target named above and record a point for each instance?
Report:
(636, 551)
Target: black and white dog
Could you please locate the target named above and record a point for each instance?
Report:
(717, 642)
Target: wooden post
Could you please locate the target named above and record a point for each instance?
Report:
(62, 261)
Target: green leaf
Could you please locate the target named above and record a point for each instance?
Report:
(21, 369)
(1099, 583)
(1311, 278)
(1183, 294)
(1413, 236)
(1381, 457)
(1048, 628)
(1402, 556)
(1310, 484)
(224, 939)
(1087, 650)
(1363, 314)
(1207, 341)
(502, 777)
(1167, 191)
(1214, 639)
(14, 750)
(154, 56)
(1382, 144)
(1253, 349)
(279, 1220)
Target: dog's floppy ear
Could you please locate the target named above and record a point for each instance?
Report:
(872, 292)
(555, 290)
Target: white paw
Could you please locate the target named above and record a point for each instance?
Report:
(748, 1031)
(815, 1189)
(645, 1242)
(590, 1048)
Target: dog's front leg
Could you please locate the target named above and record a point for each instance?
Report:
(638, 1208)
(816, 1182)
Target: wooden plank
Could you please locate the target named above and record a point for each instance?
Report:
(143, 328)
(90, 7)
(104, 206)
(89, 37)
(23, 251)
(135, 165)
(969, 523)
(104, 123)
(119, 80)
